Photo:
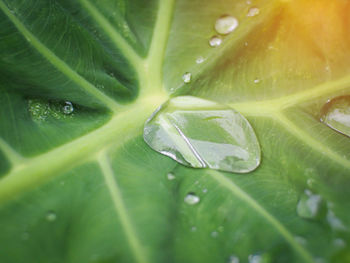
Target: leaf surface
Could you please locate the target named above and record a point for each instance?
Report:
(85, 187)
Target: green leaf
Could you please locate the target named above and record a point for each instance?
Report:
(83, 186)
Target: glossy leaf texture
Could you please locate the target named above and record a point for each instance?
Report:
(78, 80)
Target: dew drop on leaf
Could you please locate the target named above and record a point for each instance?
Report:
(215, 41)
(336, 114)
(200, 60)
(193, 229)
(214, 234)
(68, 108)
(201, 133)
(170, 176)
(191, 199)
(51, 216)
(253, 11)
(233, 259)
(256, 81)
(187, 77)
(226, 24)
(309, 205)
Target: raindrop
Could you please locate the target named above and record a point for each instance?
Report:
(215, 41)
(259, 258)
(51, 216)
(187, 77)
(226, 24)
(335, 222)
(233, 259)
(300, 240)
(191, 199)
(201, 133)
(336, 114)
(170, 176)
(200, 60)
(68, 108)
(309, 205)
(214, 234)
(254, 259)
(253, 11)
(339, 243)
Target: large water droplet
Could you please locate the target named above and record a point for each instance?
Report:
(201, 133)
(310, 205)
(192, 199)
(233, 259)
(187, 77)
(254, 11)
(336, 114)
(215, 41)
(68, 107)
(51, 216)
(226, 24)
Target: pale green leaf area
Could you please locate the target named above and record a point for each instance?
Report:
(83, 186)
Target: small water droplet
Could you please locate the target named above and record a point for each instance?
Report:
(51, 216)
(334, 221)
(246, 44)
(192, 199)
(215, 41)
(214, 234)
(187, 77)
(254, 259)
(336, 114)
(256, 81)
(302, 241)
(68, 108)
(200, 60)
(233, 259)
(309, 205)
(171, 176)
(249, 2)
(221, 229)
(253, 11)
(205, 190)
(339, 243)
(193, 229)
(226, 24)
